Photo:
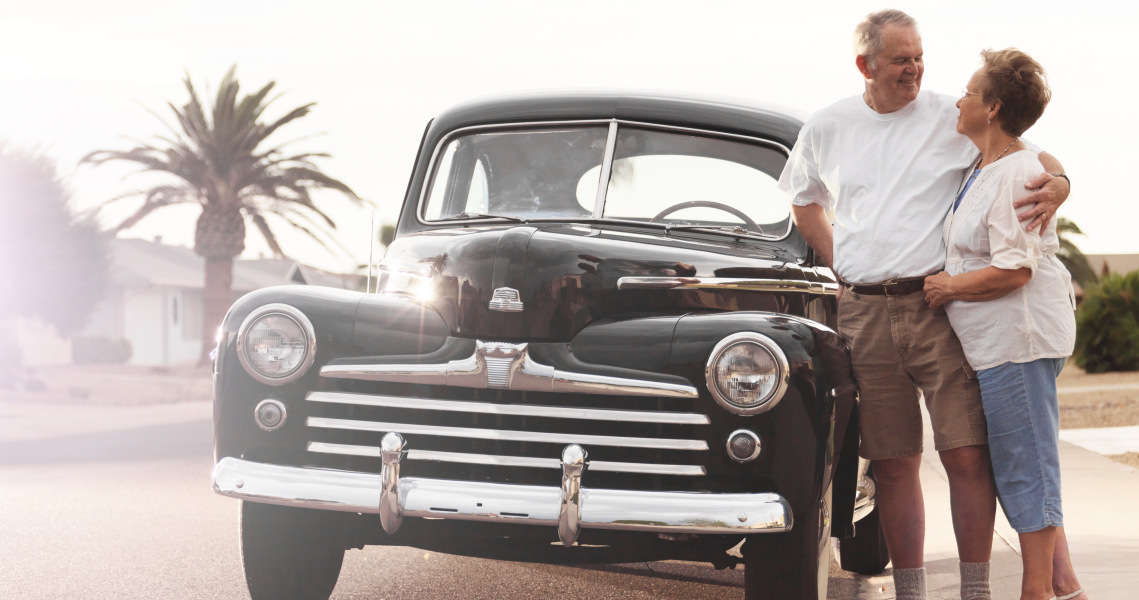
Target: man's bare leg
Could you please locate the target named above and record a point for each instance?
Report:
(972, 501)
(901, 508)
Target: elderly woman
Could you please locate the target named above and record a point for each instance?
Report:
(1010, 301)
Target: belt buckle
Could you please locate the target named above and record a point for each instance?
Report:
(886, 285)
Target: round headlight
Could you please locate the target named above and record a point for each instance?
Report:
(276, 344)
(747, 373)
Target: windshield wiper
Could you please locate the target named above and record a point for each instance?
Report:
(463, 216)
(728, 229)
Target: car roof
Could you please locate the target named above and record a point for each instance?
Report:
(729, 116)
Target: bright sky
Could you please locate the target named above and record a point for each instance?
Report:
(80, 76)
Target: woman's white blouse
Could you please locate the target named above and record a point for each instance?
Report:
(1034, 321)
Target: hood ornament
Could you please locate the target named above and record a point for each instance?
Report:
(506, 300)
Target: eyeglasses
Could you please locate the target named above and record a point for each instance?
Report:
(965, 93)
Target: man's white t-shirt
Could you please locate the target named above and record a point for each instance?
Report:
(889, 178)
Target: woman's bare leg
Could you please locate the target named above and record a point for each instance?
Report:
(1064, 580)
(1037, 549)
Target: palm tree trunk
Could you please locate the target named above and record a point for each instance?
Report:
(217, 295)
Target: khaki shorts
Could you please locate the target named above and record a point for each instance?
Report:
(900, 349)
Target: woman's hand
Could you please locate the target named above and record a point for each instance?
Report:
(937, 289)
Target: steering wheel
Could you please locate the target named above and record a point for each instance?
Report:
(751, 225)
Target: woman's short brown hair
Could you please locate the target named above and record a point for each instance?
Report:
(1018, 82)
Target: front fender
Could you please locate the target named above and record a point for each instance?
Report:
(805, 433)
(345, 323)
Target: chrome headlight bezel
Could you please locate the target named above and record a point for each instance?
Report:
(782, 374)
(302, 322)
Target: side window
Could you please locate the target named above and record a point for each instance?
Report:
(439, 186)
(478, 196)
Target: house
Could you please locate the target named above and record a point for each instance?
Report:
(154, 301)
(1120, 264)
(1103, 264)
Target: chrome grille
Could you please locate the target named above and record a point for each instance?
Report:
(509, 434)
(498, 372)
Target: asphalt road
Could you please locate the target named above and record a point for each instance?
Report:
(130, 514)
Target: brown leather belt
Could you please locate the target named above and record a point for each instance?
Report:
(893, 287)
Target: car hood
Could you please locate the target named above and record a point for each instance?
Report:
(552, 280)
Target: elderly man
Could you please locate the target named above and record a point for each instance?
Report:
(888, 163)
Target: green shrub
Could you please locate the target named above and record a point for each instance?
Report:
(99, 350)
(1107, 325)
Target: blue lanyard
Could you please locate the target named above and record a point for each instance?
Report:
(969, 183)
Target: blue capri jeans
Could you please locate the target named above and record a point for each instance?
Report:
(1023, 414)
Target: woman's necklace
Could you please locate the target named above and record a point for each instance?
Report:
(1014, 140)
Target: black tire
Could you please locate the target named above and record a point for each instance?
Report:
(793, 565)
(288, 553)
(865, 553)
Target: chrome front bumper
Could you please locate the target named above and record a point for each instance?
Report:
(570, 508)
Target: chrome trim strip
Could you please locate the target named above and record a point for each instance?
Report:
(486, 408)
(629, 510)
(606, 170)
(347, 449)
(523, 373)
(507, 435)
(485, 459)
(574, 459)
(510, 461)
(466, 372)
(647, 468)
(725, 283)
(831, 286)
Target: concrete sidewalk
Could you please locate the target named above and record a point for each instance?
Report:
(1100, 520)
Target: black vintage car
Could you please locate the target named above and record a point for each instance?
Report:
(597, 337)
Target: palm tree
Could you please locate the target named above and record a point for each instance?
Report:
(1071, 256)
(220, 161)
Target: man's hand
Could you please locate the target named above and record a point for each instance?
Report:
(1049, 193)
(937, 289)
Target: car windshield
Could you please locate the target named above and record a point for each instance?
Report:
(673, 178)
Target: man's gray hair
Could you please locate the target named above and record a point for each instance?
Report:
(868, 34)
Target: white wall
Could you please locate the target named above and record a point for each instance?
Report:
(184, 324)
(162, 325)
(143, 316)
